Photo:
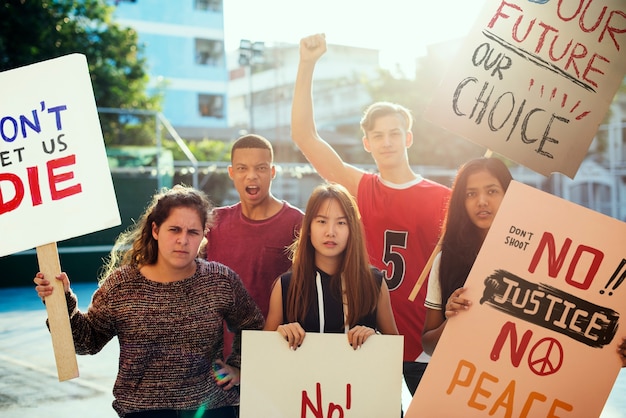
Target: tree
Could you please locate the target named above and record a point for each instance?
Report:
(33, 31)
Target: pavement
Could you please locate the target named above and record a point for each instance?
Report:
(29, 385)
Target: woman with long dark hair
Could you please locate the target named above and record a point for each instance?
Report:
(477, 191)
(331, 287)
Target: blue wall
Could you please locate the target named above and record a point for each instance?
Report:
(168, 30)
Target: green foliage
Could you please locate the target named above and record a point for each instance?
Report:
(33, 31)
(207, 150)
(214, 181)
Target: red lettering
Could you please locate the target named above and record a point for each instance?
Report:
(590, 68)
(318, 410)
(612, 30)
(53, 179)
(500, 13)
(542, 37)
(517, 351)
(569, 2)
(306, 402)
(576, 54)
(332, 408)
(581, 21)
(593, 269)
(19, 193)
(515, 31)
(554, 263)
(33, 183)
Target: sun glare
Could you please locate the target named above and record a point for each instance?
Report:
(400, 29)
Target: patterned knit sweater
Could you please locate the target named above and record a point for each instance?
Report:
(169, 335)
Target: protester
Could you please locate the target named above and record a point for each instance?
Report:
(477, 192)
(252, 236)
(329, 256)
(402, 211)
(166, 307)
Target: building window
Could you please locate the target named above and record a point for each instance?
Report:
(209, 52)
(592, 195)
(211, 106)
(210, 5)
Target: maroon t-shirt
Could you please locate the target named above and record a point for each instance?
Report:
(255, 250)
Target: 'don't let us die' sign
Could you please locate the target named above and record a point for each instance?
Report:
(55, 182)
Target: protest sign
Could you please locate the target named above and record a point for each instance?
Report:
(534, 79)
(323, 378)
(540, 338)
(55, 182)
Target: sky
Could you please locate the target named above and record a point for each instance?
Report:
(400, 29)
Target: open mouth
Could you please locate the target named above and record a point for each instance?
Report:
(252, 190)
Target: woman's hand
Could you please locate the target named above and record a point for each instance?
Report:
(358, 335)
(44, 288)
(621, 350)
(225, 375)
(293, 333)
(456, 303)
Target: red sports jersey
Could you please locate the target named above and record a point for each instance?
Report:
(402, 225)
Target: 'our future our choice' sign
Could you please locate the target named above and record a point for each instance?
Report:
(534, 79)
(540, 338)
(55, 182)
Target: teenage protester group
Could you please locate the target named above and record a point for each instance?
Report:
(182, 284)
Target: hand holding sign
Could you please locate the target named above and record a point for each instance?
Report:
(542, 307)
(58, 320)
(55, 182)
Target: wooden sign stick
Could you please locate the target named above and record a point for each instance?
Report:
(58, 318)
(431, 259)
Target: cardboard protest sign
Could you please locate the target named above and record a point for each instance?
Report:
(541, 336)
(534, 79)
(324, 377)
(55, 182)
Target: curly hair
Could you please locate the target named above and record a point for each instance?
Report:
(136, 245)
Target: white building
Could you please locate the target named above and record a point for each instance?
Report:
(260, 94)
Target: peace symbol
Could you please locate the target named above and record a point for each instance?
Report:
(546, 357)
